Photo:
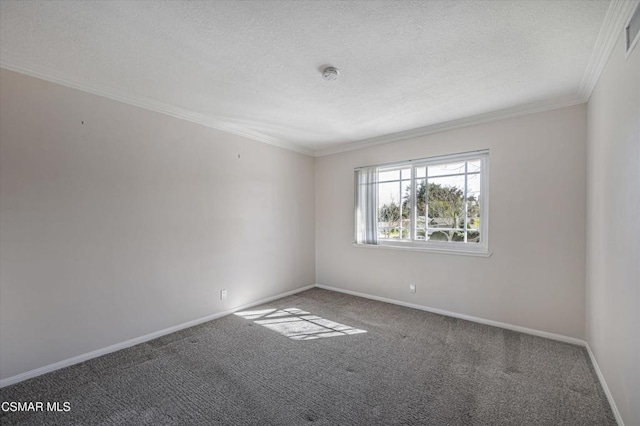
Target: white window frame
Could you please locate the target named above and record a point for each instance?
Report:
(480, 248)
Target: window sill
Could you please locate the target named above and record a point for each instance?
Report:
(425, 249)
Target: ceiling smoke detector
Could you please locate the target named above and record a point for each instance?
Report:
(330, 73)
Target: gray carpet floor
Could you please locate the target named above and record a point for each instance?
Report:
(327, 358)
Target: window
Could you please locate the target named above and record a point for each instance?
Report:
(437, 203)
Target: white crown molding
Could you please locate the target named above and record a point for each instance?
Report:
(488, 117)
(612, 26)
(138, 340)
(22, 67)
(618, 12)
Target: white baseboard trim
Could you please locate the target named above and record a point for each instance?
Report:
(137, 340)
(526, 330)
(605, 388)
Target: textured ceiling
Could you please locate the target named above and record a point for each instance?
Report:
(253, 67)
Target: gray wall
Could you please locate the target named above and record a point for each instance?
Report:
(133, 221)
(535, 277)
(613, 229)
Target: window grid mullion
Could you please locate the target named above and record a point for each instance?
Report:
(412, 227)
(454, 174)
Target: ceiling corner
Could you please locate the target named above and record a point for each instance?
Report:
(488, 117)
(12, 64)
(617, 14)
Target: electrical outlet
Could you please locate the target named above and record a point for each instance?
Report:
(412, 288)
(223, 294)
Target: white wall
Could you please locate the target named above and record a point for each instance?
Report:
(535, 277)
(133, 221)
(613, 229)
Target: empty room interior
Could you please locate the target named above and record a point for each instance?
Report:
(332, 212)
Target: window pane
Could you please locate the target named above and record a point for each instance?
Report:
(388, 208)
(391, 175)
(473, 210)
(421, 207)
(473, 183)
(394, 202)
(389, 233)
(473, 166)
(397, 232)
(446, 202)
(405, 233)
(473, 236)
(435, 235)
(446, 169)
(420, 197)
(406, 203)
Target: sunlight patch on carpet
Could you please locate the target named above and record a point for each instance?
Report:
(298, 324)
